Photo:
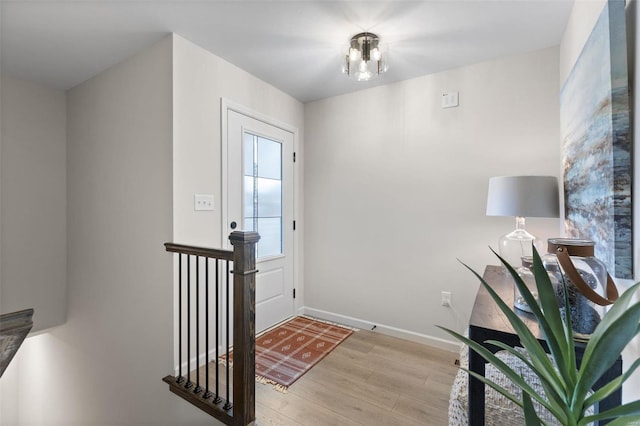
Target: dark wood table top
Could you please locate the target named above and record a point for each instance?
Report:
(487, 314)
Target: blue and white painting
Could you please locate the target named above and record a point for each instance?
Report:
(594, 112)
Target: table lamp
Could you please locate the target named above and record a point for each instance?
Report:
(521, 197)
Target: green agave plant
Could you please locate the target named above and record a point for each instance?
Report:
(567, 388)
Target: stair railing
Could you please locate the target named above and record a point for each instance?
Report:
(196, 266)
(14, 328)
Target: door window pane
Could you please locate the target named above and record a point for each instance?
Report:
(249, 224)
(270, 230)
(249, 199)
(269, 159)
(263, 192)
(269, 198)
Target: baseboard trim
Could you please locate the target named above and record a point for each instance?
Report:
(388, 330)
(200, 360)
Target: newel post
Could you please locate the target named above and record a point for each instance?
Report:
(244, 326)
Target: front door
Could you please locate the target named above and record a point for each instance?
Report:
(260, 198)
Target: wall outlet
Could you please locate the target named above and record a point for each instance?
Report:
(445, 299)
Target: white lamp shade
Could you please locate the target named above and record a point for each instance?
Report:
(524, 196)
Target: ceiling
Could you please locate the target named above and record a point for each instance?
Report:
(295, 45)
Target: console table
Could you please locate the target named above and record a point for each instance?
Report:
(489, 323)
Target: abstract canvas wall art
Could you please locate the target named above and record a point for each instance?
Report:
(596, 144)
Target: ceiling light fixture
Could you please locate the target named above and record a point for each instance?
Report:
(363, 60)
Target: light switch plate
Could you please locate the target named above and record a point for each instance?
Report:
(203, 202)
(449, 100)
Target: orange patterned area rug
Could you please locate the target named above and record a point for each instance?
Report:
(287, 351)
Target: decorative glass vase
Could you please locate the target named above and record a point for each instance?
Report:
(590, 289)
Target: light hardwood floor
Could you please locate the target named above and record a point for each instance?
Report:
(369, 379)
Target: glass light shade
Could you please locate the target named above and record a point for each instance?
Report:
(364, 57)
(363, 76)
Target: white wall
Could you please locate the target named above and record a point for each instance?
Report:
(581, 21)
(33, 190)
(104, 366)
(396, 188)
(33, 201)
(201, 79)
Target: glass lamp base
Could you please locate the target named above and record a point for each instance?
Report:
(514, 245)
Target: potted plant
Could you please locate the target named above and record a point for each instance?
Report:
(567, 387)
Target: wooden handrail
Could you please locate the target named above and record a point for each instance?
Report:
(14, 328)
(199, 251)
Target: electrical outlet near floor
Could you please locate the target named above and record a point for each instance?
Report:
(445, 299)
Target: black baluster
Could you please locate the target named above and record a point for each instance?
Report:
(197, 389)
(228, 405)
(207, 393)
(180, 379)
(188, 384)
(217, 399)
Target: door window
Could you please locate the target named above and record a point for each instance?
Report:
(263, 192)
